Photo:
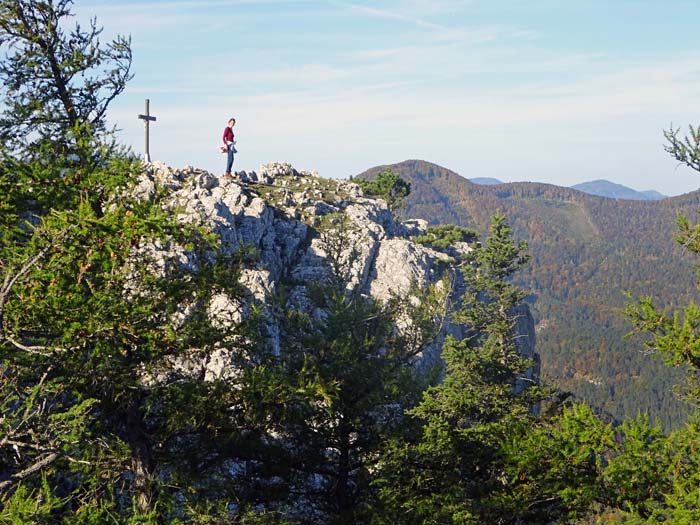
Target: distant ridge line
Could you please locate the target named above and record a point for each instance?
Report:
(605, 188)
(417, 165)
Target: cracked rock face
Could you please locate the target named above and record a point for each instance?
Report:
(293, 221)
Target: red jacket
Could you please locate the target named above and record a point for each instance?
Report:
(228, 135)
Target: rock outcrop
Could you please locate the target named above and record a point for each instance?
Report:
(294, 221)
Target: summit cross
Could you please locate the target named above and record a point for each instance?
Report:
(147, 119)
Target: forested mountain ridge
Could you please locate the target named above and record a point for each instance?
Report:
(586, 252)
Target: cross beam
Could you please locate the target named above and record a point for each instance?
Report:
(147, 119)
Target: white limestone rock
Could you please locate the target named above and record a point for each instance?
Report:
(288, 219)
(413, 227)
(401, 265)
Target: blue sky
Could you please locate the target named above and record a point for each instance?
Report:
(557, 91)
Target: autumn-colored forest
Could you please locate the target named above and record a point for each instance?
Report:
(587, 253)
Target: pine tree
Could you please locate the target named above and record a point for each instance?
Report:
(387, 185)
(350, 372)
(674, 335)
(96, 337)
(58, 84)
(453, 472)
(571, 466)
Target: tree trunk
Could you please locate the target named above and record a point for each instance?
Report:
(141, 460)
(343, 497)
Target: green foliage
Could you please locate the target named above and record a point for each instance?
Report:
(94, 398)
(453, 469)
(666, 483)
(93, 405)
(688, 235)
(58, 83)
(348, 373)
(489, 274)
(446, 235)
(387, 185)
(681, 502)
(95, 327)
(554, 468)
(675, 336)
(26, 506)
(638, 473)
(685, 150)
(571, 467)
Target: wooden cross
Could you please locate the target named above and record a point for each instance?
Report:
(147, 119)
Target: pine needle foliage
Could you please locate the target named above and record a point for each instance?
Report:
(350, 372)
(446, 235)
(107, 412)
(58, 82)
(387, 185)
(672, 493)
(452, 471)
(685, 150)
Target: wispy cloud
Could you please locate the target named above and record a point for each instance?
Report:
(439, 31)
(189, 16)
(392, 15)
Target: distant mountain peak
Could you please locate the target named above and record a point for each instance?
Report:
(612, 190)
(489, 181)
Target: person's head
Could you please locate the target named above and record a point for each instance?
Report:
(231, 122)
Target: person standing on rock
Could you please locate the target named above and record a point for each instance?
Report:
(229, 145)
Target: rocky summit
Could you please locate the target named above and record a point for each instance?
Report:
(294, 222)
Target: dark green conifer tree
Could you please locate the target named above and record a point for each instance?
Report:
(351, 372)
(57, 82)
(454, 471)
(675, 497)
(387, 185)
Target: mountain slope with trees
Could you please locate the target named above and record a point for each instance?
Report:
(586, 252)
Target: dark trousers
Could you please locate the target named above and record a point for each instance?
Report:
(229, 160)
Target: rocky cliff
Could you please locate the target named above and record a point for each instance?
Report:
(294, 222)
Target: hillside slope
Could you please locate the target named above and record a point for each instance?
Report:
(586, 251)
